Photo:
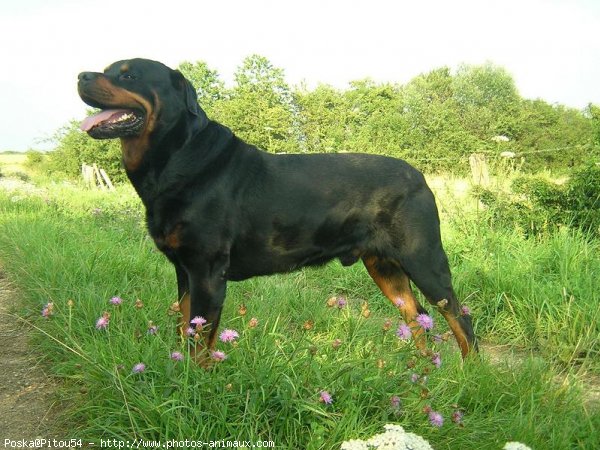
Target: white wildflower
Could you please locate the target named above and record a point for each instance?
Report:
(394, 438)
(354, 444)
(500, 138)
(515, 446)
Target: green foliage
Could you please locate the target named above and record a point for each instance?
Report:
(593, 112)
(581, 204)
(434, 121)
(434, 133)
(373, 124)
(76, 148)
(323, 119)
(553, 136)
(488, 101)
(34, 159)
(209, 87)
(87, 247)
(541, 205)
(260, 108)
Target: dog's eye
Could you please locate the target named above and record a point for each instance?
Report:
(127, 77)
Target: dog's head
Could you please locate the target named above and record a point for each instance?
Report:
(137, 97)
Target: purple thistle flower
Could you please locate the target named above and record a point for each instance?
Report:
(152, 329)
(403, 332)
(47, 310)
(190, 331)
(399, 302)
(395, 402)
(138, 368)
(414, 377)
(228, 335)
(436, 419)
(198, 321)
(102, 323)
(341, 302)
(116, 301)
(218, 355)
(425, 321)
(436, 359)
(177, 356)
(465, 310)
(326, 397)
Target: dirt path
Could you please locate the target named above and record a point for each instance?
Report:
(27, 401)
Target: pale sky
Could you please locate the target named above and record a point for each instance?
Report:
(551, 47)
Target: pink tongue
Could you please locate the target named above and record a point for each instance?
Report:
(90, 122)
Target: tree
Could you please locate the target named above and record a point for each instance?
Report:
(209, 87)
(260, 108)
(434, 121)
(323, 119)
(553, 136)
(374, 119)
(435, 136)
(593, 112)
(488, 101)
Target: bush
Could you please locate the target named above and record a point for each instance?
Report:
(21, 176)
(76, 148)
(33, 159)
(36, 162)
(537, 205)
(583, 198)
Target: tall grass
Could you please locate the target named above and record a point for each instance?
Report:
(538, 293)
(77, 250)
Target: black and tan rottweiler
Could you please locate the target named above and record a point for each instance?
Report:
(222, 210)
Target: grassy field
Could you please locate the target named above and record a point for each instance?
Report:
(77, 249)
(12, 162)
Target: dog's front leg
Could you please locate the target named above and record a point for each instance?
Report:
(183, 297)
(207, 294)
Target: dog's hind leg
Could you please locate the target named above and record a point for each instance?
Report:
(428, 269)
(415, 237)
(395, 285)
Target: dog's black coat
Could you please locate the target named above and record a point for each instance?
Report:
(221, 209)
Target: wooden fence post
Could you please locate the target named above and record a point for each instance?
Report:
(88, 175)
(93, 177)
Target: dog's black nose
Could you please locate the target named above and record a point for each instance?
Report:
(86, 76)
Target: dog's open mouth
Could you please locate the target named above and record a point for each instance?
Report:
(114, 123)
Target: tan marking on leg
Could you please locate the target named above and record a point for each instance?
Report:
(173, 239)
(197, 349)
(459, 334)
(398, 287)
(204, 346)
(184, 308)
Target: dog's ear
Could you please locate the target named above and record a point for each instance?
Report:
(189, 95)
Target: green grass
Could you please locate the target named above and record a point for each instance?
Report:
(78, 249)
(11, 163)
